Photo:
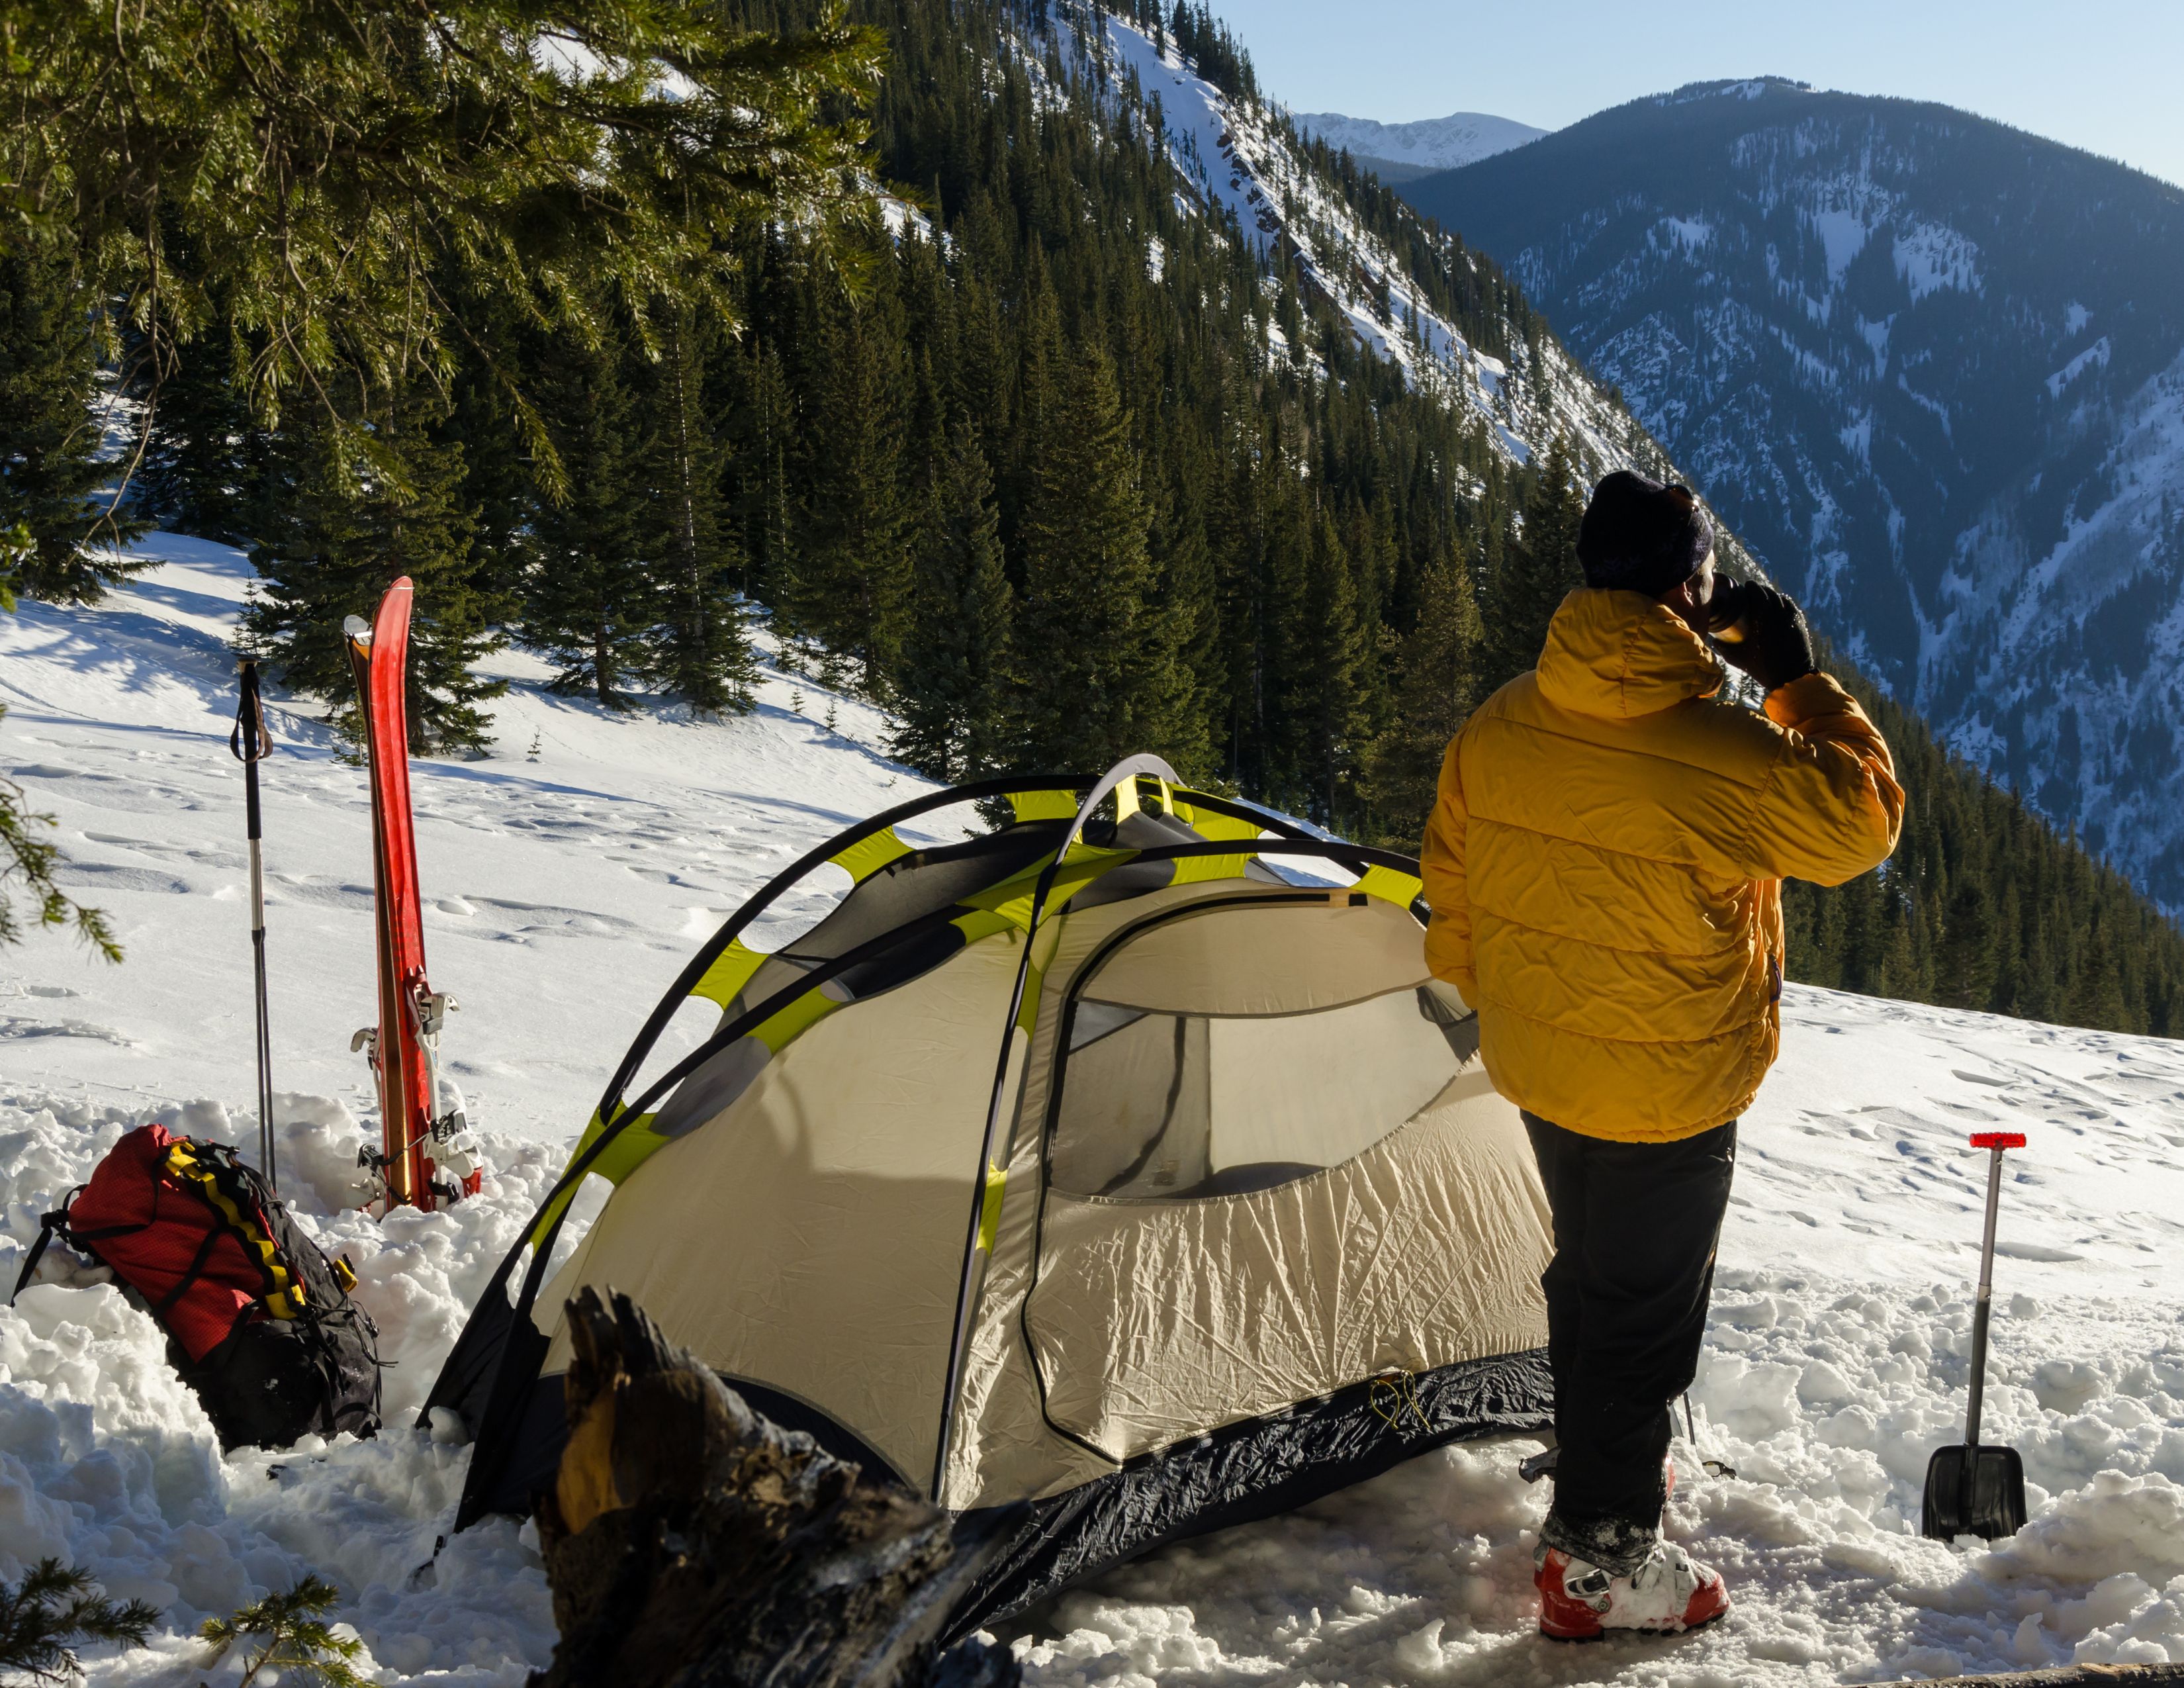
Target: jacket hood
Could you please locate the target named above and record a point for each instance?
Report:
(1622, 654)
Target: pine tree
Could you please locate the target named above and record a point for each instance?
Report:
(1331, 646)
(49, 435)
(762, 474)
(1437, 686)
(849, 588)
(702, 653)
(588, 595)
(1538, 570)
(501, 470)
(335, 531)
(1092, 660)
(1188, 614)
(955, 677)
(206, 452)
(1964, 966)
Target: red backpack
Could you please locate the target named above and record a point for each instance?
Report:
(259, 1321)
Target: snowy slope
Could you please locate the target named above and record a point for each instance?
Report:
(1431, 143)
(620, 841)
(570, 890)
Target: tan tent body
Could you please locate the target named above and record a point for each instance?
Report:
(1106, 1161)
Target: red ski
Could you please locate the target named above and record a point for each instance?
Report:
(403, 1049)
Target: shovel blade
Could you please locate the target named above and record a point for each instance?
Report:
(1972, 1491)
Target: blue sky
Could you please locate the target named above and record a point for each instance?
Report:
(2104, 74)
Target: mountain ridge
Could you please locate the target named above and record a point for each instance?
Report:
(1932, 368)
(1430, 143)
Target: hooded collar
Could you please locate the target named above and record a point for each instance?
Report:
(1621, 654)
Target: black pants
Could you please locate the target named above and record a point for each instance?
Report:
(1636, 1227)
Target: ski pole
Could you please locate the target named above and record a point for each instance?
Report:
(250, 744)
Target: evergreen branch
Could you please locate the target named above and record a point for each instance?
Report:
(297, 1638)
(26, 857)
(55, 1609)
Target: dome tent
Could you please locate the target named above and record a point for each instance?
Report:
(1095, 1162)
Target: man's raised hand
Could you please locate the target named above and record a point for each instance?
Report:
(1777, 646)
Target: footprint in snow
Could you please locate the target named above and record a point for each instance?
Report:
(16, 1028)
(109, 876)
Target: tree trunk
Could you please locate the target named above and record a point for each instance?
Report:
(689, 1541)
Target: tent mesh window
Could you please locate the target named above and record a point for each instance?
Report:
(1161, 1106)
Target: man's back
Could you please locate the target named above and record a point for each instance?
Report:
(1604, 861)
(1605, 866)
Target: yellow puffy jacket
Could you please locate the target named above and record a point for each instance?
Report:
(1605, 864)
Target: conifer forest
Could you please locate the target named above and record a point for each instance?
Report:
(1038, 455)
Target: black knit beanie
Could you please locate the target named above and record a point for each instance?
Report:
(1639, 536)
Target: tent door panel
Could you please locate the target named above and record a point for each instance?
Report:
(1267, 1176)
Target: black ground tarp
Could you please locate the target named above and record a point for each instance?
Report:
(1254, 1469)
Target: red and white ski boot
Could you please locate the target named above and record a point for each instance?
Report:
(1669, 1593)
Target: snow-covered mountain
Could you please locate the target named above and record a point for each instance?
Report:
(1431, 143)
(568, 877)
(1244, 160)
(1932, 369)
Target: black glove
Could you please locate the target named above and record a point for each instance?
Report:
(1776, 647)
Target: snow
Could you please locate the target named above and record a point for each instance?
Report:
(1845, 211)
(899, 216)
(2095, 356)
(1842, 233)
(1932, 256)
(568, 890)
(1463, 137)
(1875, 335)
(1690, 233)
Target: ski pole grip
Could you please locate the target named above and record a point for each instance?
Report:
(1997, 1140)
(250, 741)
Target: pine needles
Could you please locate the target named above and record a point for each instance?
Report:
(55, 1610)
(292, 1638)
(330, 178)
(27, 861)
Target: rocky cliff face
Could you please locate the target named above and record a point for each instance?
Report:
(1932, 369)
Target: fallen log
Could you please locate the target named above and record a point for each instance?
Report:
(691, 1541)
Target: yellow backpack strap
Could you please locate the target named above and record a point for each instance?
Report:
(284, 1294)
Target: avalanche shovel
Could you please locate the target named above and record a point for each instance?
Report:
(1974, 1491)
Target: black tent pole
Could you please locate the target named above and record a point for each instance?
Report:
(251, 745)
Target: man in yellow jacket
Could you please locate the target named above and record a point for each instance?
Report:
(1605, 863)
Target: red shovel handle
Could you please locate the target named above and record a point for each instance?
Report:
(1997, 1140)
